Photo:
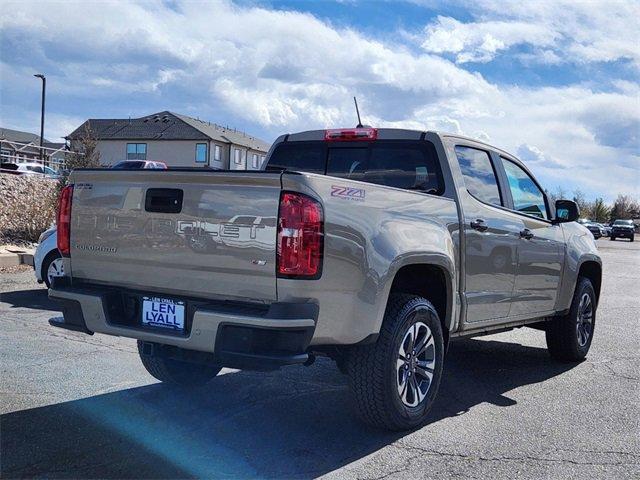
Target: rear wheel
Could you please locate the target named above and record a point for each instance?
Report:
(394, 381)
(612, 238)
(176, 372)
(569, 337)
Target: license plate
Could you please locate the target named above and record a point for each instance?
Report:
(163, 313)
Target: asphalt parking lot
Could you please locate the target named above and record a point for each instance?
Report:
(75, 406)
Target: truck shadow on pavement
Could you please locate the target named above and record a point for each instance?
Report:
(295, 422)
(37, 299)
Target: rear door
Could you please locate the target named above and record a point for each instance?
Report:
(173, 232)
(491, 236)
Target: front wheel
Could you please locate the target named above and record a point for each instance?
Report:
(176, 372)
(394, 381)
(569, 337)
(52, 267)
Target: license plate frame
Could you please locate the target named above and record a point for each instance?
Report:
(163, 314)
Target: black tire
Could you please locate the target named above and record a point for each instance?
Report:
(51, 256)
(632, 238)
(374, 374)
(175, 372)
(563, 338)
(613, 239)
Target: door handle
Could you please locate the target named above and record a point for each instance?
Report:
(479, 224)
(526, 234)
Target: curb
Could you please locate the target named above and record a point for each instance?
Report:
(15, 259)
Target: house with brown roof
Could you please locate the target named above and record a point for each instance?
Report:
(178, 140)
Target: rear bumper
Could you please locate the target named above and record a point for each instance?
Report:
(237, 336)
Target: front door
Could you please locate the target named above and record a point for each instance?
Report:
(541, 249)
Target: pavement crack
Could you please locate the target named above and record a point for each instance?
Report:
(505, 458)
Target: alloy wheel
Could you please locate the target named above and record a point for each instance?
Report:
(584, 325)
(415, 364)
(56, 269)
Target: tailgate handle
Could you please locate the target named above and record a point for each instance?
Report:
(163, 200)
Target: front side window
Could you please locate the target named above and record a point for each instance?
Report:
(217, 153)
(201, 153)
(136, 151)
(527, 196)
(478, 173)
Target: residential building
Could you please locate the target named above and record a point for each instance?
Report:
(17, 146)
(178, 140)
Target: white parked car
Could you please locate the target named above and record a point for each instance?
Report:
(47, 261)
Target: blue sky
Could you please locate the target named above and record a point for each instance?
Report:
(555, 83)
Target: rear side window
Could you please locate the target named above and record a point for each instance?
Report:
(308, 157)
(479, 176)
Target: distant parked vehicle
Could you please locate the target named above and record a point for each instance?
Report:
(47, 261)
(596, 230)
(29, 168)
(623, 229)
(606, 229)
(139, 165)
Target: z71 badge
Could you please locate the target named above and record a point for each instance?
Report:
(348, 193)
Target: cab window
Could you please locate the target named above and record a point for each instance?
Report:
(479, 176)
(408, 165)
(527, 196)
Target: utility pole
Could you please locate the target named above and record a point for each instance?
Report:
(44, 88)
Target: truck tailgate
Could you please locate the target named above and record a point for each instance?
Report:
(202, 234)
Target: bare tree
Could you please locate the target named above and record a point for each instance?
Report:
(558, 194)
(85, 153)
(625, 207)
(584, 206)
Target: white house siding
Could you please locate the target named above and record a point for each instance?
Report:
(175, 153)
(223, 163)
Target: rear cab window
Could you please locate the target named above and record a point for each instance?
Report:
(406, 164)
(479, 175)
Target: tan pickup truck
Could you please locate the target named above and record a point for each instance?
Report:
(374, 247)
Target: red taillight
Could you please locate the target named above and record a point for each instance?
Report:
(300, 237)
(350, 134)
(64, 221)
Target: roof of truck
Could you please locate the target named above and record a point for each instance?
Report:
(388, 134)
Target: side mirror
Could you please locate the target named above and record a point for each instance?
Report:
(566, 211)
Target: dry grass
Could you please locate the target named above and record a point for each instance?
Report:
(27, 207)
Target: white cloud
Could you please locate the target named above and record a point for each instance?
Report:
(557, 30)
(286, 71)
(481, 41)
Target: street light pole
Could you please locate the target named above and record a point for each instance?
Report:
(44, 88)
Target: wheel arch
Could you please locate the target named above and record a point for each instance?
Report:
(430, 277)
(592, 270)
